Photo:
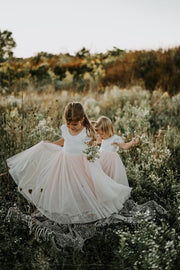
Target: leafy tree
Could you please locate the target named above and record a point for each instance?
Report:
(147, 68)
(41, 57)
(177, 58)
(60, 72)
(116, 52)
(7, 43)
(83, 53)
(40, 75)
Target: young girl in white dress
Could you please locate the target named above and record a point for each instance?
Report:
(110, 143)
(61, 182)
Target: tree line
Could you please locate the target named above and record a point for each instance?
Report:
(150, 69)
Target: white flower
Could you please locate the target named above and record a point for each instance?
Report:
(42, 123)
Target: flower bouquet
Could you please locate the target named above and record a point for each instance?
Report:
(92, 152)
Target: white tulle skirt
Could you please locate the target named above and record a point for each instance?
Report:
(65, 187)
(112, 165)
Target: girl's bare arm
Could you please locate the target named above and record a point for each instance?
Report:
(59, 142)
(128, 145)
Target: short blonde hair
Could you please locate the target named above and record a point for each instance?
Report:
(105, 124)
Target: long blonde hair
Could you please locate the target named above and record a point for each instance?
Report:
(74, 111)
(105, 124)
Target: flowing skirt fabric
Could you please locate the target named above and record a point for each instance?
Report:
(66, 187)
(112, 165)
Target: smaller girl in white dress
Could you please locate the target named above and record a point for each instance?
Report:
(110, 143)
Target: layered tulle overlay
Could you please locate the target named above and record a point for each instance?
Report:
(112, 165)
(64, 186)
(110, 160)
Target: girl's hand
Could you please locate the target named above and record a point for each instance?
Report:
(59, 142)
(115, 143)
(98, 140)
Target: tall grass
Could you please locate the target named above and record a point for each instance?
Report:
(152, 169)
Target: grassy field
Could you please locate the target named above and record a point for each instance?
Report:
(152, 169)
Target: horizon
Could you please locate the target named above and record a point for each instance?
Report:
(67, 26)
(94, 53)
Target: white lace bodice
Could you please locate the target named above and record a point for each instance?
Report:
(107, 144)
(75, 144)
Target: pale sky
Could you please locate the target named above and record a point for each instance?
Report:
(60, 26)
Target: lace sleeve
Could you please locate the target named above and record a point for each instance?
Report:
(117, 139)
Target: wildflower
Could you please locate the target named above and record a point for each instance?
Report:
(42, 123)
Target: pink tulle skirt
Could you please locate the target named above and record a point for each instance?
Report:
(66, 187)
(112, 165)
